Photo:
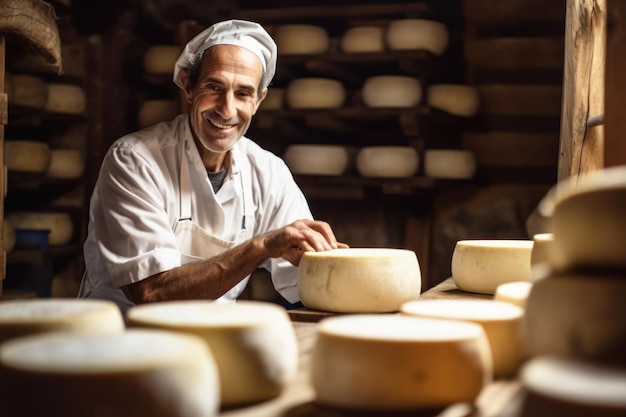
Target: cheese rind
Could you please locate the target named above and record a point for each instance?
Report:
(315, 93)
(66, 98)
(296, 39)
(419, 34)
(27, 156)
(392, 91)
(515, 293)
(160, 59)
(457, 99)
(387, 161)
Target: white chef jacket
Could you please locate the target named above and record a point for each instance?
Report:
(136, 203)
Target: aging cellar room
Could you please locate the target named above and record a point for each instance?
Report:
(468, 152)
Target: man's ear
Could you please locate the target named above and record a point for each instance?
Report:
(260, 100)
(184, 80)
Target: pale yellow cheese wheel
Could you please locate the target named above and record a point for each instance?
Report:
(457, 99)
(313, 159)
(359, 280)
(418, 34)
(253, 342)
(155, 111)
(557, 386)
(515, 293)
(480, 265)
(65, 163)
(66, 98)
(449, 163)
(27, 316)
(161, 59)
(391, 362)
(501, 321)
(26, 156)
(391, 91)
(136, 373)
(60, 224)
(27, 90)
(577, 315)
(361, 39)
(315, 93)
(394, 161)
(297, 39)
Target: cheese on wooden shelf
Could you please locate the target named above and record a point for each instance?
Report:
(160, 59)
(513, 292)
(457, 99)
(26, 90)
(65, 98)
(26, 156)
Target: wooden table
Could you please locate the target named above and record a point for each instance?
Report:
(501, 398)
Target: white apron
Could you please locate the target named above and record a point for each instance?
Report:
(195, 243)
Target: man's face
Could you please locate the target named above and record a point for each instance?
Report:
(225, 97)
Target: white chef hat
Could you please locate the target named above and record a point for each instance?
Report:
(249, 35)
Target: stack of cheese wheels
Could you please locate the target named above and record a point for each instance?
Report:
(160, 59)
(301, 39)
(29, 316)
(515, 293)
(154, 111)
(480, 265)
(65, 163)
(27, 156)
(449, 163)
(66, 99)
(391, 91)
(501, 321)
(253, 342)
(319, 159)
(59, 224)
(418, 34)
(136, 373)
(315, 93)
(26, 90)
(556, 386)
(392, 363)
(359, 280)
(387, 161)
(360, 39)
(457, 99)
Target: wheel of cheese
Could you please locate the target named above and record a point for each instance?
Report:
(28, 316)
(315, 93)
(515, 293)
(363, 39)
(359, 280)
(480, 265)
(387, 161)
(421, 34)
(274, 100)
(65, 98)
(8, 236)
(456, 99)
(391, 91)
(319, 159)
(27, 90)
(136, 373)
(577, 315)
(154, 111)
(161, 59)
(65, 163)
(253, 342)
(296, 39)
(59, 224)
(501, 321)
(557, 386)
(545, 257)
(449, 163)
(391, 363)
(27, 156)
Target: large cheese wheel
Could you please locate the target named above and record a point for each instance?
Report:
(565, 387)
(480, 265)
(391, 91)
(577, 315)
(319, 159)
(359, 280)
(27, 90)
(155, 111)
(420, 34)
(59, 224)
(299, 39)
(315, 93)
(160, 59)
(449, 163)
(501, 322)
(389, 362)
(27, 156)
(65, 163)
(361, 39)
(253, 342)
(456, 99)
(515, 293)
(28, 316)
(66, 98)
(387, 161)
(136, 373)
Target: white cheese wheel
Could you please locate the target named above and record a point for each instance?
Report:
(27, 156)
(274, 100)
(515, 293)
(29, 316)
(501, 321)
(154, 111)
(315, 93)
(65, 98)
(363, 39)
(387, 161)
(59, 224)
(391, 91)
(161, 59)
(421, 34)
(480, 265)
(577, 315)
(296, 39)
(564, 387)
(136, 373)
(319, 159)
(449, 163)
(359, 280)
(65, 163)
(253, 342)
(389, 362)
(545, 257)
(456, 99)
(27, 90)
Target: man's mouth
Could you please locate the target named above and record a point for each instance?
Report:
(220, 125)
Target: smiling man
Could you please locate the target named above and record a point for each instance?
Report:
(188, 209)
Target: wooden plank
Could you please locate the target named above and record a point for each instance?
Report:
(513, 149)
(3, 258)
(515, 53)
(538, 100)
